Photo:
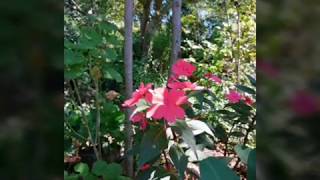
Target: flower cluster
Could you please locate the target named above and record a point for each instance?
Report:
(166, 103)
(235, 97)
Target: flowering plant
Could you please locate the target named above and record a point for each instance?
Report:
(169, 135)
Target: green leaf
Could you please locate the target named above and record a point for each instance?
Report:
(220, 132)
(113, 171)
(153, 142)
(199, 127)
(141, 106)
(206, 140)
(246, 89)
(189, 112)
(69, 45)
(113, 39)
(185, 131)
(72, 177)
(180, 160)
(89, 38)
(200, 153)
(82, 169)
(110, 73)
(123, 178)
(73, 72)
(252, 80)
(72, 58)
(86, 43)
(241, 108)
(99, 168)
(111, 54)
(90, 177)
(200, 98)
(224, 112)
(209, 102)
(108, 171)
(242, 152)
(252, 165)
(108, 27)
(217, 169)
(237, 134)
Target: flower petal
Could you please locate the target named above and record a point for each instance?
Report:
(156, 112)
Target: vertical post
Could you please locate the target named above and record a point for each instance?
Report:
(238, 70)
(128, 55)
(176, 35)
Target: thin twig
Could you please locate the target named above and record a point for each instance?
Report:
(166, 159)
(226, 149)
(74, 131)
(98, 120)
(77, 7)
(85, 120)
(245, 140)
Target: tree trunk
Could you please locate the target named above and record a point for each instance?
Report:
(128, 55)
(176, 36)
(144, 28)
(238, 70)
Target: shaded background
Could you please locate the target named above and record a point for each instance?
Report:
(288, 89)
(31, 106)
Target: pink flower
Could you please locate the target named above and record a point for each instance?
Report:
(304, 103)
(248, 101)
(267, 68)
(184, 86)
(172, 79)
(166, 105)
(140, 118)
(213, 78)
(234, 97)
(183, 68)
(141, 93)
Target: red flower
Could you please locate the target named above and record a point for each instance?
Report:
(234, 97)
(166, 105)
(213, 78)
(168, 166)
(184, 86)
(141, 93)
(145, 167)
(183, 68)
(248, 101)
(140, 118)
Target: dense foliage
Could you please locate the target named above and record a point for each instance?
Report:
(212, 124)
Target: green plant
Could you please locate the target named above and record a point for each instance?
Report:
(170, 138)
(100, 169)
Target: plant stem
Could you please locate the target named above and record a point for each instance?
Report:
(75, 132)
(98, 120)
(245, 139)
(166, 159)
(85, 120)
(250, 128)
(226, 149)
